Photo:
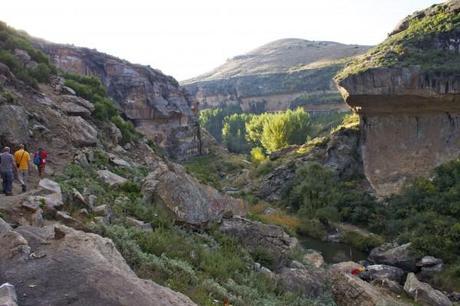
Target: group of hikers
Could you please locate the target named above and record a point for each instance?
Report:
(18, 166)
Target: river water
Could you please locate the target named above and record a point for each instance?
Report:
(333, 252)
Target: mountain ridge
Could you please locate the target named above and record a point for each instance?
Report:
(281, 74)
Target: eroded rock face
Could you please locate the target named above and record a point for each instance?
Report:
(85, 269)
(341, 153)
(409, 109)
(409, 123)
(189, 201)
(153, 101)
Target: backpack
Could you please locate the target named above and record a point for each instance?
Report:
(37, 159)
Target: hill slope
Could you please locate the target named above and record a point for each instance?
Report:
(281, 74)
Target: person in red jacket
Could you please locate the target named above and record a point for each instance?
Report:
(40, 161)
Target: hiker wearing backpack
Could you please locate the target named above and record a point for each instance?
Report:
(7, 167)
(22, 158)
(40, 161)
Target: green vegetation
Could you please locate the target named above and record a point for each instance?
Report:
(211, 169)
(414, 46)
(315, 98)
(270, 132)
(213, 119)
(205, 265)
(91, 88)
(12, 43)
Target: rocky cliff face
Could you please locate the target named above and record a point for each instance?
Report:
(283, 74)
(154, 102)
(407, 92)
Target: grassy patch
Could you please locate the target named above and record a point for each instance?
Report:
(413, 46)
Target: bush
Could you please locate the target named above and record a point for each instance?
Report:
(257, 155)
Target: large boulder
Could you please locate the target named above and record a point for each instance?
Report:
(375, 272)
(76, 268)
(14, 124)
(400, 256)
(82, 132)
(263, 240)
(302, 281)
(111, 178)
(189, 201)
(349, 290)
(423, 293)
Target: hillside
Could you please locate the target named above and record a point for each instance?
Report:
(279, 75)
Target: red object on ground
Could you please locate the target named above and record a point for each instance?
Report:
(356, 271)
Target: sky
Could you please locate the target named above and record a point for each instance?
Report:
(185, 38)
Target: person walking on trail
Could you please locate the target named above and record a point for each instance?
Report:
(7, 168)
(40, 161)
(22, 158)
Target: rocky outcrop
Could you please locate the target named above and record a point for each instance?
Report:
(153, 101)
(62, 266)
(269, 242)
(339, 153)
(423, 293)
(282, 74)
(302, 281)
(349, 290)
(409, 100)
(376, 272)
(187, 200)
(401, 256)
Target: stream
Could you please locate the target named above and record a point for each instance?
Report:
(333, 252)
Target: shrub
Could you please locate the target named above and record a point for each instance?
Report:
(257, 155)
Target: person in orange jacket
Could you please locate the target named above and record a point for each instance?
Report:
(22, 158)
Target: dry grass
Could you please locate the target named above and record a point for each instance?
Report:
(288, 222)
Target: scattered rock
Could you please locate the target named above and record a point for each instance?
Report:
(78, 198)
(8, 295)
(68, 91)
(83, 212)
(14, 125)
(118, 161)
(389, 285)
(58, 233)
(346, 267)
(265, 240)
(49, 185)
(68, 220)
(71, 99)
(110, 178)
(393, 255)
(139, 224)
(100, 210)
(430, 265)
(314, 258)
(374, 272)
(423, 293)
(73, 109)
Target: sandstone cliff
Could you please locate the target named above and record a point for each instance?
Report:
(282, 74)
(407, 92)
(154, 102)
